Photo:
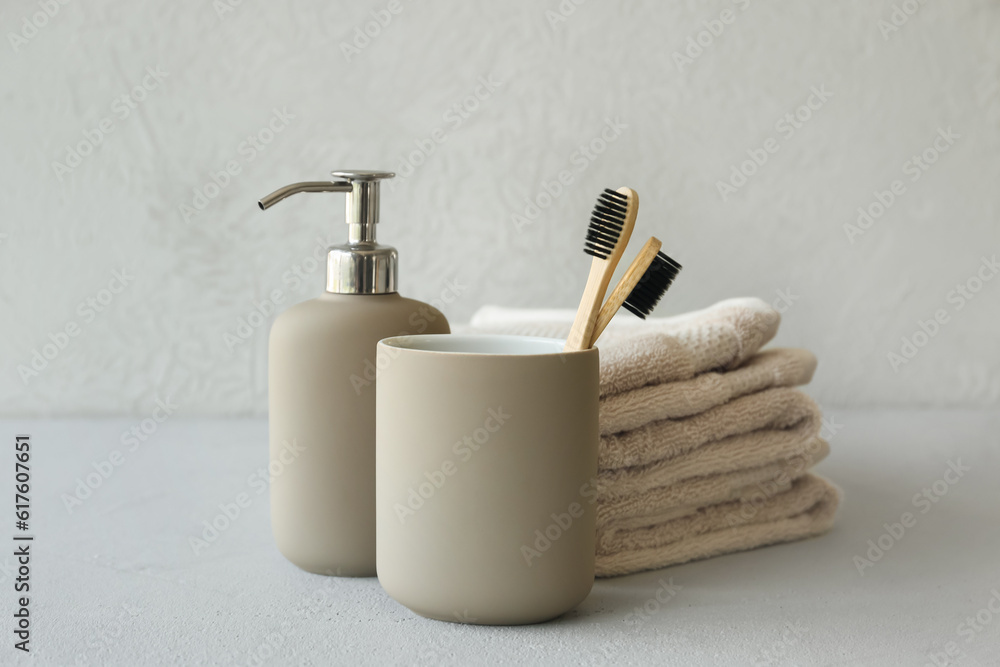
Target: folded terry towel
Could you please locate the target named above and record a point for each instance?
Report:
(686, 497)
(774, 420)
(671, 400)
(705, 446)
(804, 510)
(645, 352)
(664, 488)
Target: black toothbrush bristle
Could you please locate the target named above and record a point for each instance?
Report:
(652, 286)
(606, 224)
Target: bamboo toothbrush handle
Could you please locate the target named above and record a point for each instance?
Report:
(590, 303)
(601, 272)
(625, 286)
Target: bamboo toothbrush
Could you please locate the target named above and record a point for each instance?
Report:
(645, 282)
(610, 229)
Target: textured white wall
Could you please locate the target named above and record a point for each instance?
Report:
(554, 84)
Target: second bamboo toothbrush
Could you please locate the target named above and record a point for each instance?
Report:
(645, 282)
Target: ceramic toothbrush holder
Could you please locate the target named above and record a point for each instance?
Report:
(486, 466)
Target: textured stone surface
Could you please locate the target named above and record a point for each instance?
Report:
(452, 216)
(116, 581)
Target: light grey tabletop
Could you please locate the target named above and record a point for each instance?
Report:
(115, 578)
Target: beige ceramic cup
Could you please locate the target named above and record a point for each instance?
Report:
(486, 464)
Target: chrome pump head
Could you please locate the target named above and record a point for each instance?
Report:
(361, 266)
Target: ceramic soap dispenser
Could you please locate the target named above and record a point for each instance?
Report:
(321, 387)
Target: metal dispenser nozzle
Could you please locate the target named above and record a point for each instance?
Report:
(361, 266)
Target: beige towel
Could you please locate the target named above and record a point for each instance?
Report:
(766, 420)
(705, 447)
(671, 467)
(671, 400)
(804, 510)
(666, 503)
(729, 479)
(638, 353)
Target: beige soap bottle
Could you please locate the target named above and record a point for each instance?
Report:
(321, 376)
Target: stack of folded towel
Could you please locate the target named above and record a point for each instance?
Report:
(705, 444)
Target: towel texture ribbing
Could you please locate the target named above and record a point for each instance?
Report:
(804, 510)
(646, 352)
(665, 503)
(670, 400)
(705, 443)
(772, 419)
